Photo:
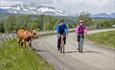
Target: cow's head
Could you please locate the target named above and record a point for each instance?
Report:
(34, 34)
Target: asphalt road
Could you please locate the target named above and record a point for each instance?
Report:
(94, 57)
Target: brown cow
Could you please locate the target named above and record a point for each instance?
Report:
(24, 36)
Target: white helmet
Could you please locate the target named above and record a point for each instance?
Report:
(81, 21)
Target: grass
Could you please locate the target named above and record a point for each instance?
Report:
(106, 38)
(13, 57)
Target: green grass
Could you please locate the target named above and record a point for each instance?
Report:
(106, 38)
(13, 57)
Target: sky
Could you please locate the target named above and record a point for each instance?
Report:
(71, 6)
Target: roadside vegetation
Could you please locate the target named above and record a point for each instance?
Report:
(105, 38)
(13, 57)
(11, 23)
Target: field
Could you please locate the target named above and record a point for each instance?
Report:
(106, 38)
(13, 57)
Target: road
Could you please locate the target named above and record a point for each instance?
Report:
(94, 57)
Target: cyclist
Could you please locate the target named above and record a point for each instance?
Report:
(80, 30)
(61, 29)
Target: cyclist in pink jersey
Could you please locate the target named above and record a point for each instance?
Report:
(80, 30)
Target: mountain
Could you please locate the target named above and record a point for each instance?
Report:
(32, 9)
(35, 9)
(103, 15)
(3, 10)
(100, 15)
(112, 15)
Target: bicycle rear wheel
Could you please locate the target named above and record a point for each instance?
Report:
(80, 46)
(60, 49)
(63, 49)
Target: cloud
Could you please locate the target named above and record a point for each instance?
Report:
(36, 1)
(92, 6)
(8, 3)
(73, 6)
(13, 2)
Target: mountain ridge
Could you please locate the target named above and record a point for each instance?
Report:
(35, 9)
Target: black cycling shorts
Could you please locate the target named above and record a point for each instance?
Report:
(78, 37)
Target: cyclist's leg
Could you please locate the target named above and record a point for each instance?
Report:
(78, 40)
(58, 42)
(82, 42)
(83, 38)
(64, 39)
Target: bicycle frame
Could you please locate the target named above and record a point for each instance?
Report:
(62, 47)
(80, 45)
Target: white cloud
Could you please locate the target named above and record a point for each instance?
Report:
(8, 3)
(73, 6)
(91, 2)
(92, 6)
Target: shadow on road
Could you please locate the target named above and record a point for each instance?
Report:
(83, 51)
(91, 52)
(39, 50)
(71, 51)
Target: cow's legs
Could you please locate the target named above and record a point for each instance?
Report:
(18, 40)
(25, 44)
(21, 43)
(30, 45)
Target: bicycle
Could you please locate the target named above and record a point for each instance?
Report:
(62, 47)
(80, 44)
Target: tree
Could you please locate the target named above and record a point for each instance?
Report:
(26, 20)
(86, 18)
(33, 24)
(1, 26)
(53, 23)
(9, 24)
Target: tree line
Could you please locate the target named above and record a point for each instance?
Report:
(40, 23)
(47, 23)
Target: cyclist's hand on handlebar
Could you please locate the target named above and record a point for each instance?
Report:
(58, 35)
(86, 33)
(66, 34)
(76, 34)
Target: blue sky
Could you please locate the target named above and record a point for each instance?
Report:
(72, 6)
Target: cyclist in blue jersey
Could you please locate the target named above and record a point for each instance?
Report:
(61, 29)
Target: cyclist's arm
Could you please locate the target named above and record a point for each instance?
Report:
(85, 30)
(66, 29)
(57, 29)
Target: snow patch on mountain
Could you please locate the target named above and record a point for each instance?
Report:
(33, 9)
